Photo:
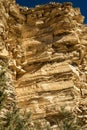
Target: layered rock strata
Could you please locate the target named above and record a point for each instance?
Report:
(46, 50)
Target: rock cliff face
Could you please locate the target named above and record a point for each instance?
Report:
(45, 49)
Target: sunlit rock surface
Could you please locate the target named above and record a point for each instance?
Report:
(46, 50)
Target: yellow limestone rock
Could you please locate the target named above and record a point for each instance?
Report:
(46, 50)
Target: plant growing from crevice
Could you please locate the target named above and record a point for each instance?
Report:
(65, 120)
(68, 120)
(17, 121)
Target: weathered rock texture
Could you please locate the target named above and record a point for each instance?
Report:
(7, 90)
(46, 48)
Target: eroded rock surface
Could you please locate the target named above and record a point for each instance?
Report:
(46, 48)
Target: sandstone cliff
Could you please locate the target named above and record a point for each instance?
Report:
(44, 50)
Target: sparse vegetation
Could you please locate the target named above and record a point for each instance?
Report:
(67, 121)
(18, 121)
(15, 120)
